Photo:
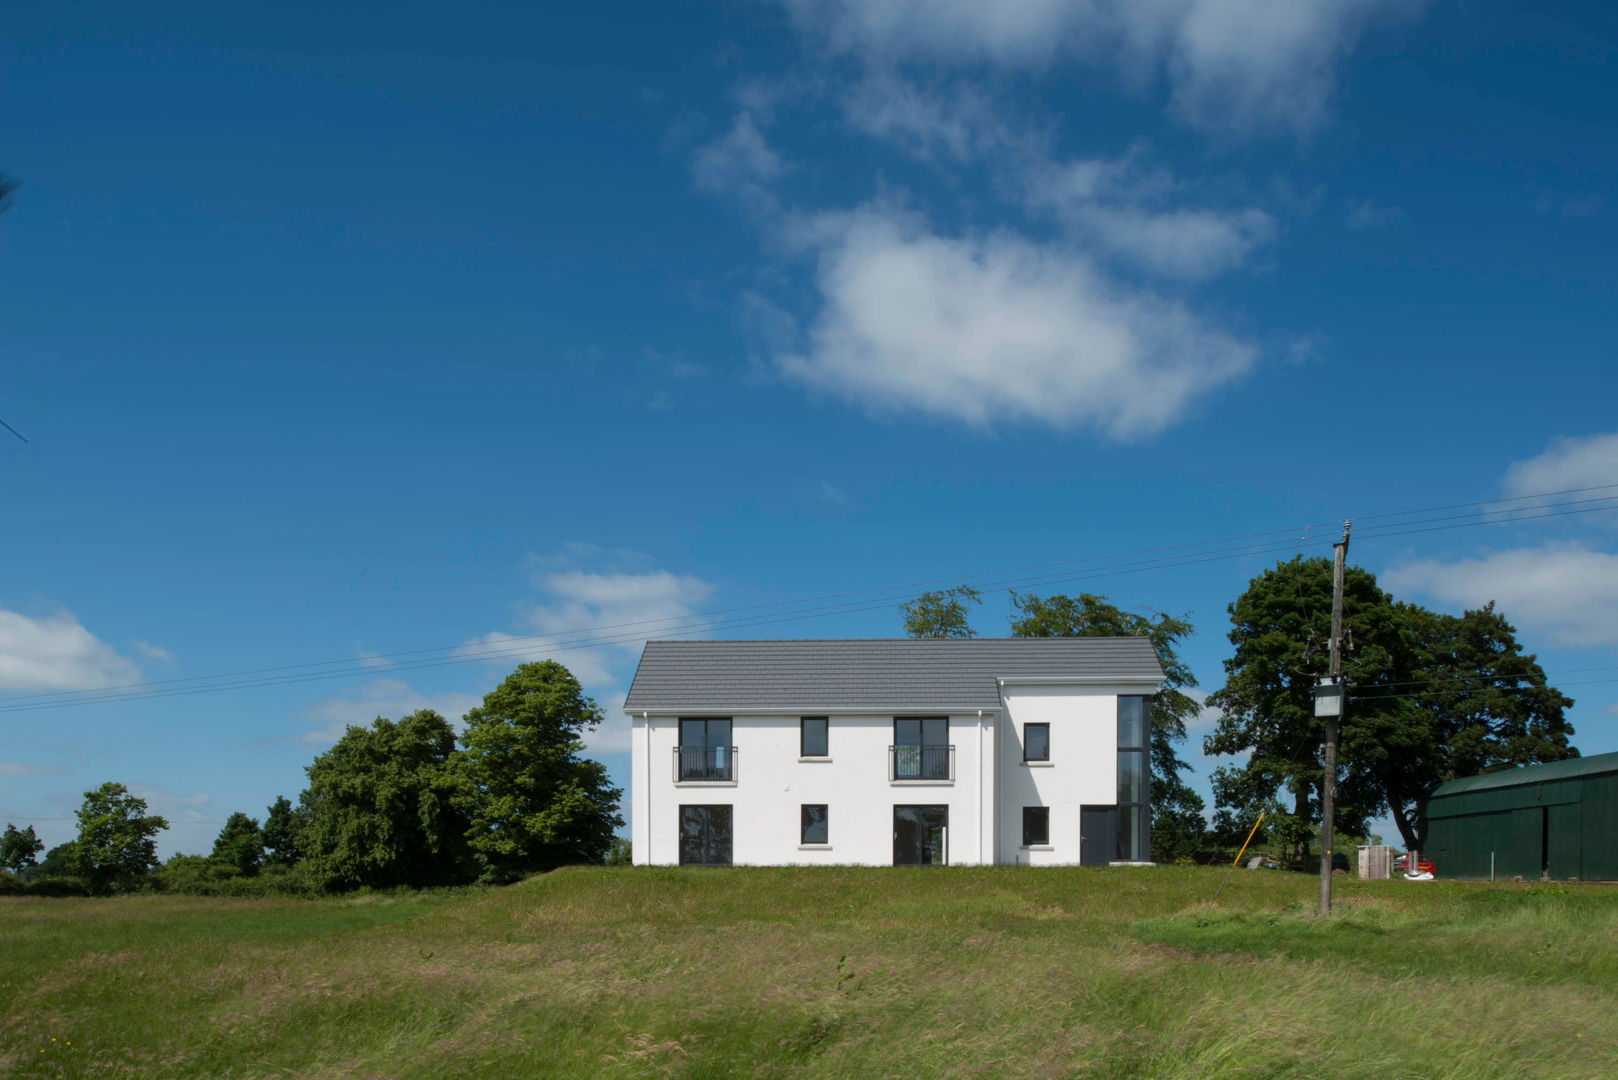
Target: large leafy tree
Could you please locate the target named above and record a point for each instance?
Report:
(240, 843)
(280, 833)
(1467, 700)
(380, 809)
(1177, 822)
(940, 614)
(1432, 697)
(533, 802)
(117, 842)
(18, 847)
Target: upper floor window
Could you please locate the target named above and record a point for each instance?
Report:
(1036, 742)
(921, 749)
(705, 752)
(812, 738)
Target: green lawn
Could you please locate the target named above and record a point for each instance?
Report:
(824, 972)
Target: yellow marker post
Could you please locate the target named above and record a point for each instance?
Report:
(1233, 863)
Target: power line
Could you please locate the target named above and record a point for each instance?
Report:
(761, 614)
(508, 644)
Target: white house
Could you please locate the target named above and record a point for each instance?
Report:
(892, 751)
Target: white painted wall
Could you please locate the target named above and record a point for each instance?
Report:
(1083, 767)
(772, 784)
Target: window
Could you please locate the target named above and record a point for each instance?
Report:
(704, 752)
(1134, 782)
(814, 824)
(1036, 825)
(705, 835)
(921, 748)
(1036, 742)
(812, 740)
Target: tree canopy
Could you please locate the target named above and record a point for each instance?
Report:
(18, 847)
(117, 842)
(240, 844)
(531, 800)
(940, 614)
(1431, 697)
(280, 833)
(1177, 822)
(381, 807)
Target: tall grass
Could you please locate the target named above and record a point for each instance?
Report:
(823, 972)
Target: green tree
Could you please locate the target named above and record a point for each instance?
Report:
(380, 809)
(61, 861)
(1178, 827)
(1466, 700)
(533, 801)
(280, 833)
(940, 614)
(240, 844)
(1431, 697)
(18, 848)
(117, 843)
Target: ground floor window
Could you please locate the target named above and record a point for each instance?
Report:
(1036, 825)
(814, 824)
(705, 838)
(920, 835)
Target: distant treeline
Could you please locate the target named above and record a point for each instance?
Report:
(398, 804)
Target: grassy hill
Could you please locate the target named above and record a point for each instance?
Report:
(823, 972)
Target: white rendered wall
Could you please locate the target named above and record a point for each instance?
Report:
(772, 784)
(1083, 768)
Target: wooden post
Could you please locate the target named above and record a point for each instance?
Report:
(1328, 784)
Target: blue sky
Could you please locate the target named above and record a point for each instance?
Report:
(340, 333)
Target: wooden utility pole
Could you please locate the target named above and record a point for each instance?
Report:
(1328, 785)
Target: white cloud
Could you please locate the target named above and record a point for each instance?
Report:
(1366, 214)
(18, 768)
(612, 737)
(153, 652)
(1123, 207)
(980, 329)
(600, 621)
(957, 121)
(391, 698)
(1565, 590)
(1229, 63)
(1570, 463)
(1207, 717)
(56, 653)
(740, 162)
(176, 807)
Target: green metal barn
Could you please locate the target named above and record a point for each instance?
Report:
(1557, 820)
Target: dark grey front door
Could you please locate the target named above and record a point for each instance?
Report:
(920, 835)
(1098, 835)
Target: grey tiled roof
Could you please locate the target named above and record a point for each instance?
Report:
(877, 673)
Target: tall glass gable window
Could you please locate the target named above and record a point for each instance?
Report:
(1134, 781)
(705, 750)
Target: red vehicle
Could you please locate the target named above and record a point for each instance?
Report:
(1424, 865)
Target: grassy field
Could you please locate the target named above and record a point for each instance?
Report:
(823, 972)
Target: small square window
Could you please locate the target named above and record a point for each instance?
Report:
(1036, 825)
(1036, 742)
(812, 741)
(814, 824)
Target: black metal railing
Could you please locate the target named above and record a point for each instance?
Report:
(921, 763)
(710, 763)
